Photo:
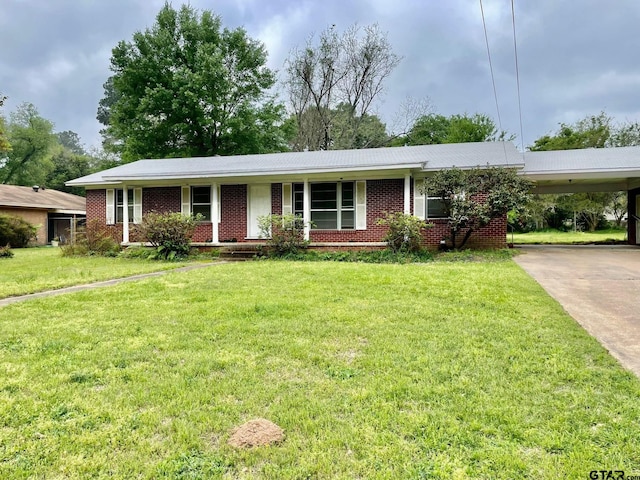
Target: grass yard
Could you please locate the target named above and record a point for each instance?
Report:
(37, 269)
(441, 370)
(556, 236)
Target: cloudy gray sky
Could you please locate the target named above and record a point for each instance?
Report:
(576, 57)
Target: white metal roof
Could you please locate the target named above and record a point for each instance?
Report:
(421, 158)
(586, 160)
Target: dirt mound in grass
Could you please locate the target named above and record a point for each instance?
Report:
(256, 433)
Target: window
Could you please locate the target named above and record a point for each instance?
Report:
(332, 205)
(201, 202)
(435, 208)
(120, 205)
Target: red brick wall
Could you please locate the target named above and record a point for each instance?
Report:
(382, 196)
(276, 198)
(492, 236)
(161, 200)
(233, 224)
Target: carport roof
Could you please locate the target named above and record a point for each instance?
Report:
(585, 160)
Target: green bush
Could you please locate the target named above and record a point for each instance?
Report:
(94, 239)
(284, 233)
(5, 252)
(169, 233)
(404, 232)
(15, 231)
(361, 256)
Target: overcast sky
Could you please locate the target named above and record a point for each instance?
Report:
(576, 57)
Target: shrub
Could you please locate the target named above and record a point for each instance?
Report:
(5, 252)
(94, 239)
(284, 233)
(404, 232)
(170, 233)
(15, 231)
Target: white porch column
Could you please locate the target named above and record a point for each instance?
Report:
(125, 214)
(407, 194)
(214, 212)
(306, 205)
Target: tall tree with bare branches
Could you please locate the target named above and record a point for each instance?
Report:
(347, 69)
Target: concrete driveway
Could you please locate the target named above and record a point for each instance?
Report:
(599, 286)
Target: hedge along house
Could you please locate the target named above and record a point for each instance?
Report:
(55, 214)
(339, 194)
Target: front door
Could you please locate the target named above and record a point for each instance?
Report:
(259, 204)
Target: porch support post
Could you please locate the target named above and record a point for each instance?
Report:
(306, 206)
(215, 201)
(125, 214)
(407, 194)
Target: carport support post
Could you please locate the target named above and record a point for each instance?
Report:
(632, 216)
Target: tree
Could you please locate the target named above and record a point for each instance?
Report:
(435, 129)
(348, 69)
(592, 131)
(32, 139)
(186, 87)
(5, 146)
(472, 198)
(625, 135)
(68, 165)
(301, 134)
(71, 141)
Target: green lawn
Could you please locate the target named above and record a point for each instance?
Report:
(440, 370)
(38, 269)
(556, 236)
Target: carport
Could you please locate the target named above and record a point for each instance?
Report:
(590, 170)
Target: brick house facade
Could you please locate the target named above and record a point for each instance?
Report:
(382, 195)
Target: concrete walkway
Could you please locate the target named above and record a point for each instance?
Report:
(105, 283)
(599, 286)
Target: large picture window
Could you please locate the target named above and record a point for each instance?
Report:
(120, 205)
(333, 205)
(201, 202)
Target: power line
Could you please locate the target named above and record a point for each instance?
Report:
(493, 80)
(515, 53)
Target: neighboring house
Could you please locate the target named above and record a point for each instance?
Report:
(343, 193)
(53, 213)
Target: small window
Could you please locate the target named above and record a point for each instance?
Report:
(201, 202)
(436, 208)
(120, 205)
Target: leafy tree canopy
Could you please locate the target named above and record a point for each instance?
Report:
(187, 87)
(472, 198)
(591, 132)
(5, 146)
(32, 139)
(435, 129)
(345, 131)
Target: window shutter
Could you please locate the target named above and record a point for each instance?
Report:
(418, 199)
(186, 201)
(287, 202)
(137, 205)
(361, 205)
(111, 206)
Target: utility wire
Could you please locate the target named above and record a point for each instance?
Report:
(515, 53)
(493, 80)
